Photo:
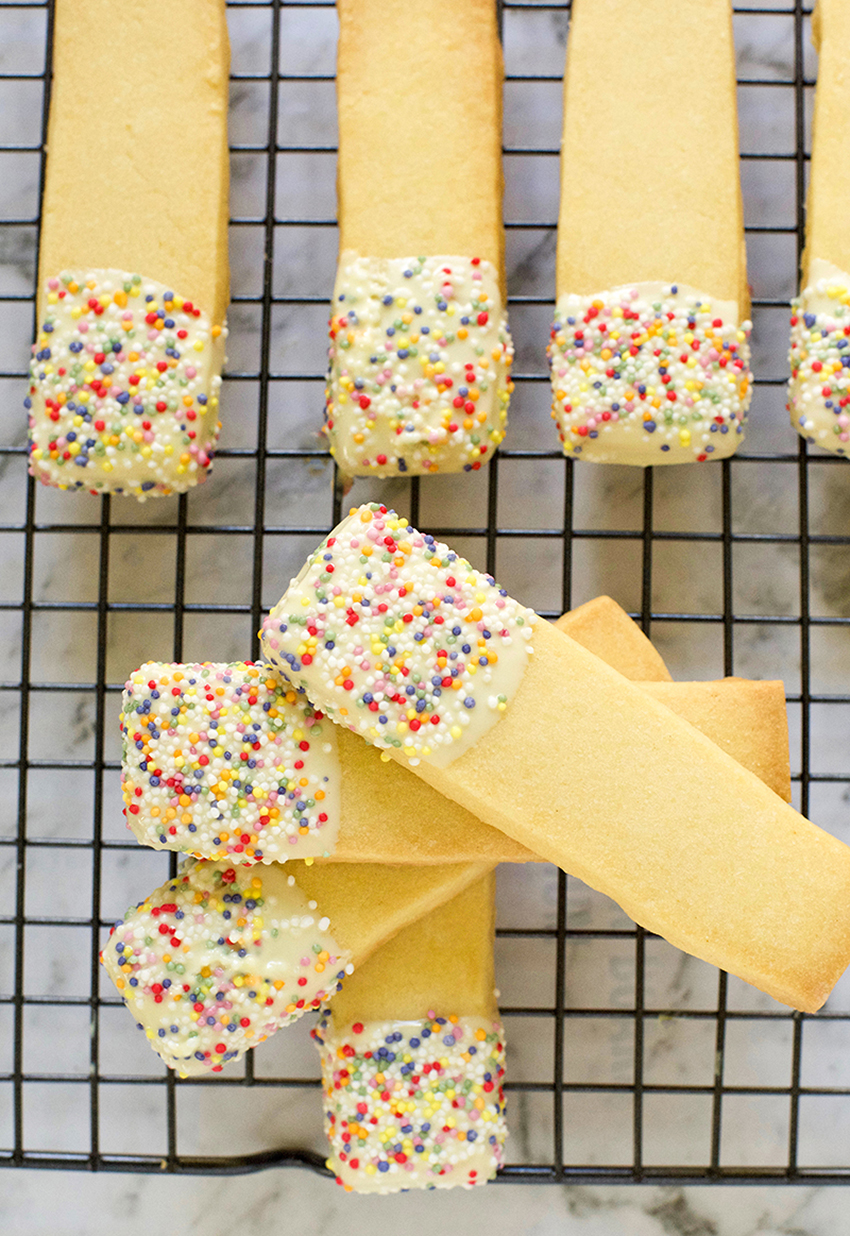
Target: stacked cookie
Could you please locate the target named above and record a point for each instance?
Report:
(230, 765)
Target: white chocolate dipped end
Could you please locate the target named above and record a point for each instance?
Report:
(223, 761)
(406, 643)
(413, 1104)
(419, 365)
(218, 959)
(819, 390)
(124, 390)
(649, 374)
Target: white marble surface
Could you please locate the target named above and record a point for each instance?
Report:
(687, 578)
(70, 1204)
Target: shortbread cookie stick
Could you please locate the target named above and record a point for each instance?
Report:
(413, 1057)
(419, 352)
(819, 393)
(515, 721)
(219, 958)
(649, 347)
(745, 718)
(605, 629)
(133, 271)
(224, 761)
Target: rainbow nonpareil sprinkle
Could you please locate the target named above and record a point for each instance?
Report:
(648, 376)
(413, 1104)
(124, 390)
(220, 958)
(399, 638)
(222, 760)
(819, 390)
(419, 365)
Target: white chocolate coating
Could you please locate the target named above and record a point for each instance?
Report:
(222, 761)
(218, 959)
(819, 390)
(413, 1104)
(400, 638)
(649, 374)
(124, 390)
(419, 362)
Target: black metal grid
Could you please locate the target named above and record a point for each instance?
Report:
(247, 465)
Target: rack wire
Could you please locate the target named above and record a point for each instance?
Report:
(593, 1121)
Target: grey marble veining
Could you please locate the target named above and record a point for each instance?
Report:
(678, 1049)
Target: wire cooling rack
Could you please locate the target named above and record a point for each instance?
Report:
(628, 1062)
